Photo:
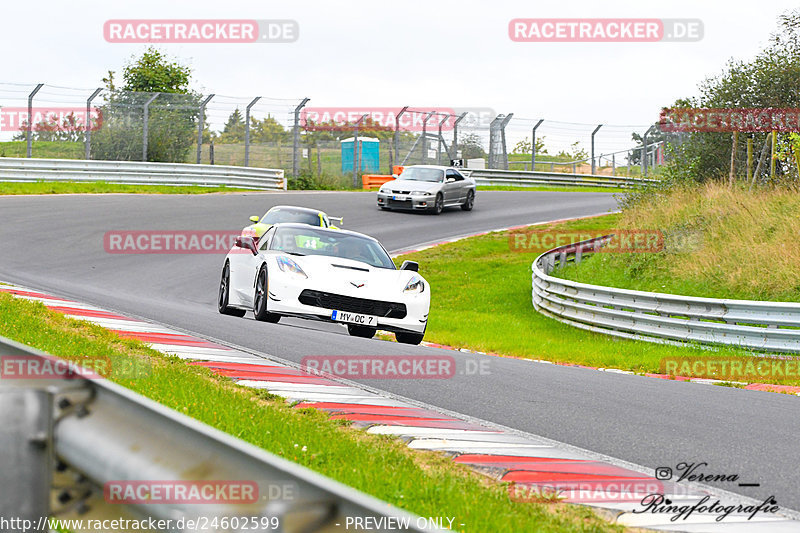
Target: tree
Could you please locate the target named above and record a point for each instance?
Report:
(172, 116)
(771, 79)
(524, 146)
(471, 146)
(233, 131)
(154, 73)
(267, 130)
(575, 153)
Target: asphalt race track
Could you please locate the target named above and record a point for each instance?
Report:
(55, 243)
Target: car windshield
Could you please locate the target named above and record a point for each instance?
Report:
(310, 241)
(278, 215)
(422, 174)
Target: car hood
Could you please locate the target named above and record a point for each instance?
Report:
(412, 185)
(347, 276)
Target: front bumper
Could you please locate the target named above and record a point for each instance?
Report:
(285, 299)
(407, 201)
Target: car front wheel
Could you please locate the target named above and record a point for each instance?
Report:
(261, 297)
(438, 204)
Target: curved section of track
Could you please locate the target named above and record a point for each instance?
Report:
(56, 244)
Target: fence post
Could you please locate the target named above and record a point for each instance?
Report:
(439, 146)
(734, 146)
(644, 151)
(247, 130)
(613, 164)
(200, 125)
(503, 125)
(593, 134)
(88, 139)
(749, 158)
(29, 151)
(455, 136)
(356, 151)
(771, 159)
(296, 139)
(425, 137)
(145, 120)
(396, 139)
(533, 144)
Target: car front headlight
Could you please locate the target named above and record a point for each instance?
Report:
(415, 285)
(420, 193)
(384, 190)
(288, 265)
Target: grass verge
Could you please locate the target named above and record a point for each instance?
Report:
(719, 242)
(102, 187)
(482, 301)
(426, 483)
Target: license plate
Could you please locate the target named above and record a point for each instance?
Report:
(399, 198)
(354, 318)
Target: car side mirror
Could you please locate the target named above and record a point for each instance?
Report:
(410, 265)
(247, 243)
(255, 219)
(450, 180)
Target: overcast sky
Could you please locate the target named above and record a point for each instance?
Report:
(421, 53)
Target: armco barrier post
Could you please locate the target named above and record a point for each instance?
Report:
(593, 134)
(29, 132)
(533, 144)
(88, 139)
(247, 130)
(296, 139)
(145, 120)
(26, 452)
(200, 125)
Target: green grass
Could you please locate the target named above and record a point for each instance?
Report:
(427, 483)
(102, 187)
(43, 149)
(481, 300)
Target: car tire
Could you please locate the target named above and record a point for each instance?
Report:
(224, 294)
(438, 205)
(409, 338)
(469, 202)
(360, 331)
(262, 297)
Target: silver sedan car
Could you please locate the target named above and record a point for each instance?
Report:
(428, 188)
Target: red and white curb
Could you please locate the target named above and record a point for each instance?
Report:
(532, 466)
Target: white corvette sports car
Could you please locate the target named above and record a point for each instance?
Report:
(324, 274)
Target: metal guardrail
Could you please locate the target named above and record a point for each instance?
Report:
(140, 173)
(518, 178)
(100, 432)
(654, 317)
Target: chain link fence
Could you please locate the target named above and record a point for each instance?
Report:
(319, 147)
